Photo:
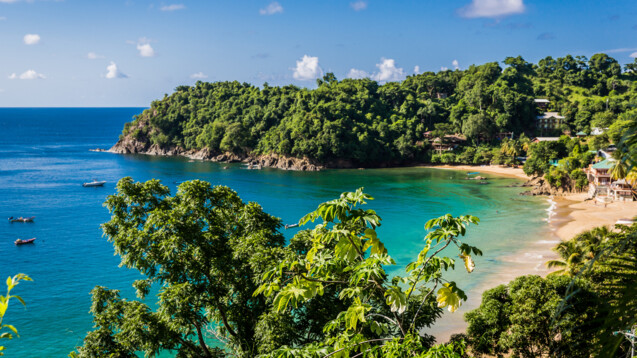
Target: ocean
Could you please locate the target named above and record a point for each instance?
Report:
(45, 157)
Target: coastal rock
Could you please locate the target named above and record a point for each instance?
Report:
(542, 187)
(128, 145)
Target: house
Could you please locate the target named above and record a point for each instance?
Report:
(580, 134)
(451, 142)
(549, 120)
(621, 190)
(599, 173)
(598, 130)
(441, 95)
(543, 103)
(545, 139)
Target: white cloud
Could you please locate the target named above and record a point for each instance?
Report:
(271, 9)
(357, 74)
(492, 8)
(27, 75)
(8, 1)
(31, 39)
(172, 7)
(145, 50)
(633, 55)
(113, 72)
(2, 18)
(417, 69)
(443, 68)
(93, 56)
(358, 5)
(387, 71)
(307, 68)
(199, 75)
(455, 64)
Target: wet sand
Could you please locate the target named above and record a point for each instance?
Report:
(490, 169)
(567, 216)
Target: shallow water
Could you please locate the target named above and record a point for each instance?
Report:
(44, 158)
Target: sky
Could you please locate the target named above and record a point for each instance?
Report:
(99, 53)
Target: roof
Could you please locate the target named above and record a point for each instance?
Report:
(580, 133)
(604, 164)
(541, 100)
(550, 115)
(546, 139)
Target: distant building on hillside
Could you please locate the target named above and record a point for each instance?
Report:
(598, 130)
(441, 95)
(543, 103)
(549, 120)
(602, 185)
(450, 142)
(545, 139)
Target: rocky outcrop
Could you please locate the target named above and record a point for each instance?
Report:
(542, 187)
(129, 145)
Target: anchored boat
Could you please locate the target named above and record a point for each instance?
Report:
(94, 183)
(23, 242)
(21, 219)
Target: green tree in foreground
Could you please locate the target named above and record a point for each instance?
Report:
(228, 287)
(204, 249)
(12, 282)
(519, 319)
(383, 317)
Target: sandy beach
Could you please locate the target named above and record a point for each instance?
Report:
(585, 214)
(490, 169)
(567, 216)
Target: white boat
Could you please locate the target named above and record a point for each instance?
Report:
(94, 183)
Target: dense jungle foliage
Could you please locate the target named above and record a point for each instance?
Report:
(368, 124)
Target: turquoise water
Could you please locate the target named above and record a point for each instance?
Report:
(44, 158)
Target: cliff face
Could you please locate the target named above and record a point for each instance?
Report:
(542, 187)
(128, 145)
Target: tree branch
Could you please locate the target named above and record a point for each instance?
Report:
(358, 344)
(201, 341)
(413, 321)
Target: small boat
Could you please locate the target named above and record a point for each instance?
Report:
(94, 183)
(23, 242)
(21, 219)
(291, 226)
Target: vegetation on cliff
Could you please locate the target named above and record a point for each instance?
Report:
(363, 123)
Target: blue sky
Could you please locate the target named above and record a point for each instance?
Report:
(128, 53)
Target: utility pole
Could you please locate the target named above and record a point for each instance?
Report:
(630, 335)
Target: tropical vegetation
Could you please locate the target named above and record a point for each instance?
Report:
(227, 284)
(359, 122)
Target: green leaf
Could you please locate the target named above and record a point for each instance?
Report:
(447, 298)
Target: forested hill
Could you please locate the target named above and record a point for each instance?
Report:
(358, 122)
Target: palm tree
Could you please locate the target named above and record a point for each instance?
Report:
(619, 168)
(579, 251)
(571, 258)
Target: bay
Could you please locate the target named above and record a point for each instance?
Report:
(44, 158)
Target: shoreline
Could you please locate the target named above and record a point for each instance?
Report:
(567, 216)
(488, 169)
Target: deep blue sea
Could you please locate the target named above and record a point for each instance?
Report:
(45, 157)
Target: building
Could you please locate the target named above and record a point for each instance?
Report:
(549, 120)
(543, 103)
(598, 131)
(599, 173)
(545, 139)
(451, 142)
(621, 190)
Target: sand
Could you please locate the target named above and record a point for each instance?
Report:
(567, 216)
(490, 169)
(585, 214)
